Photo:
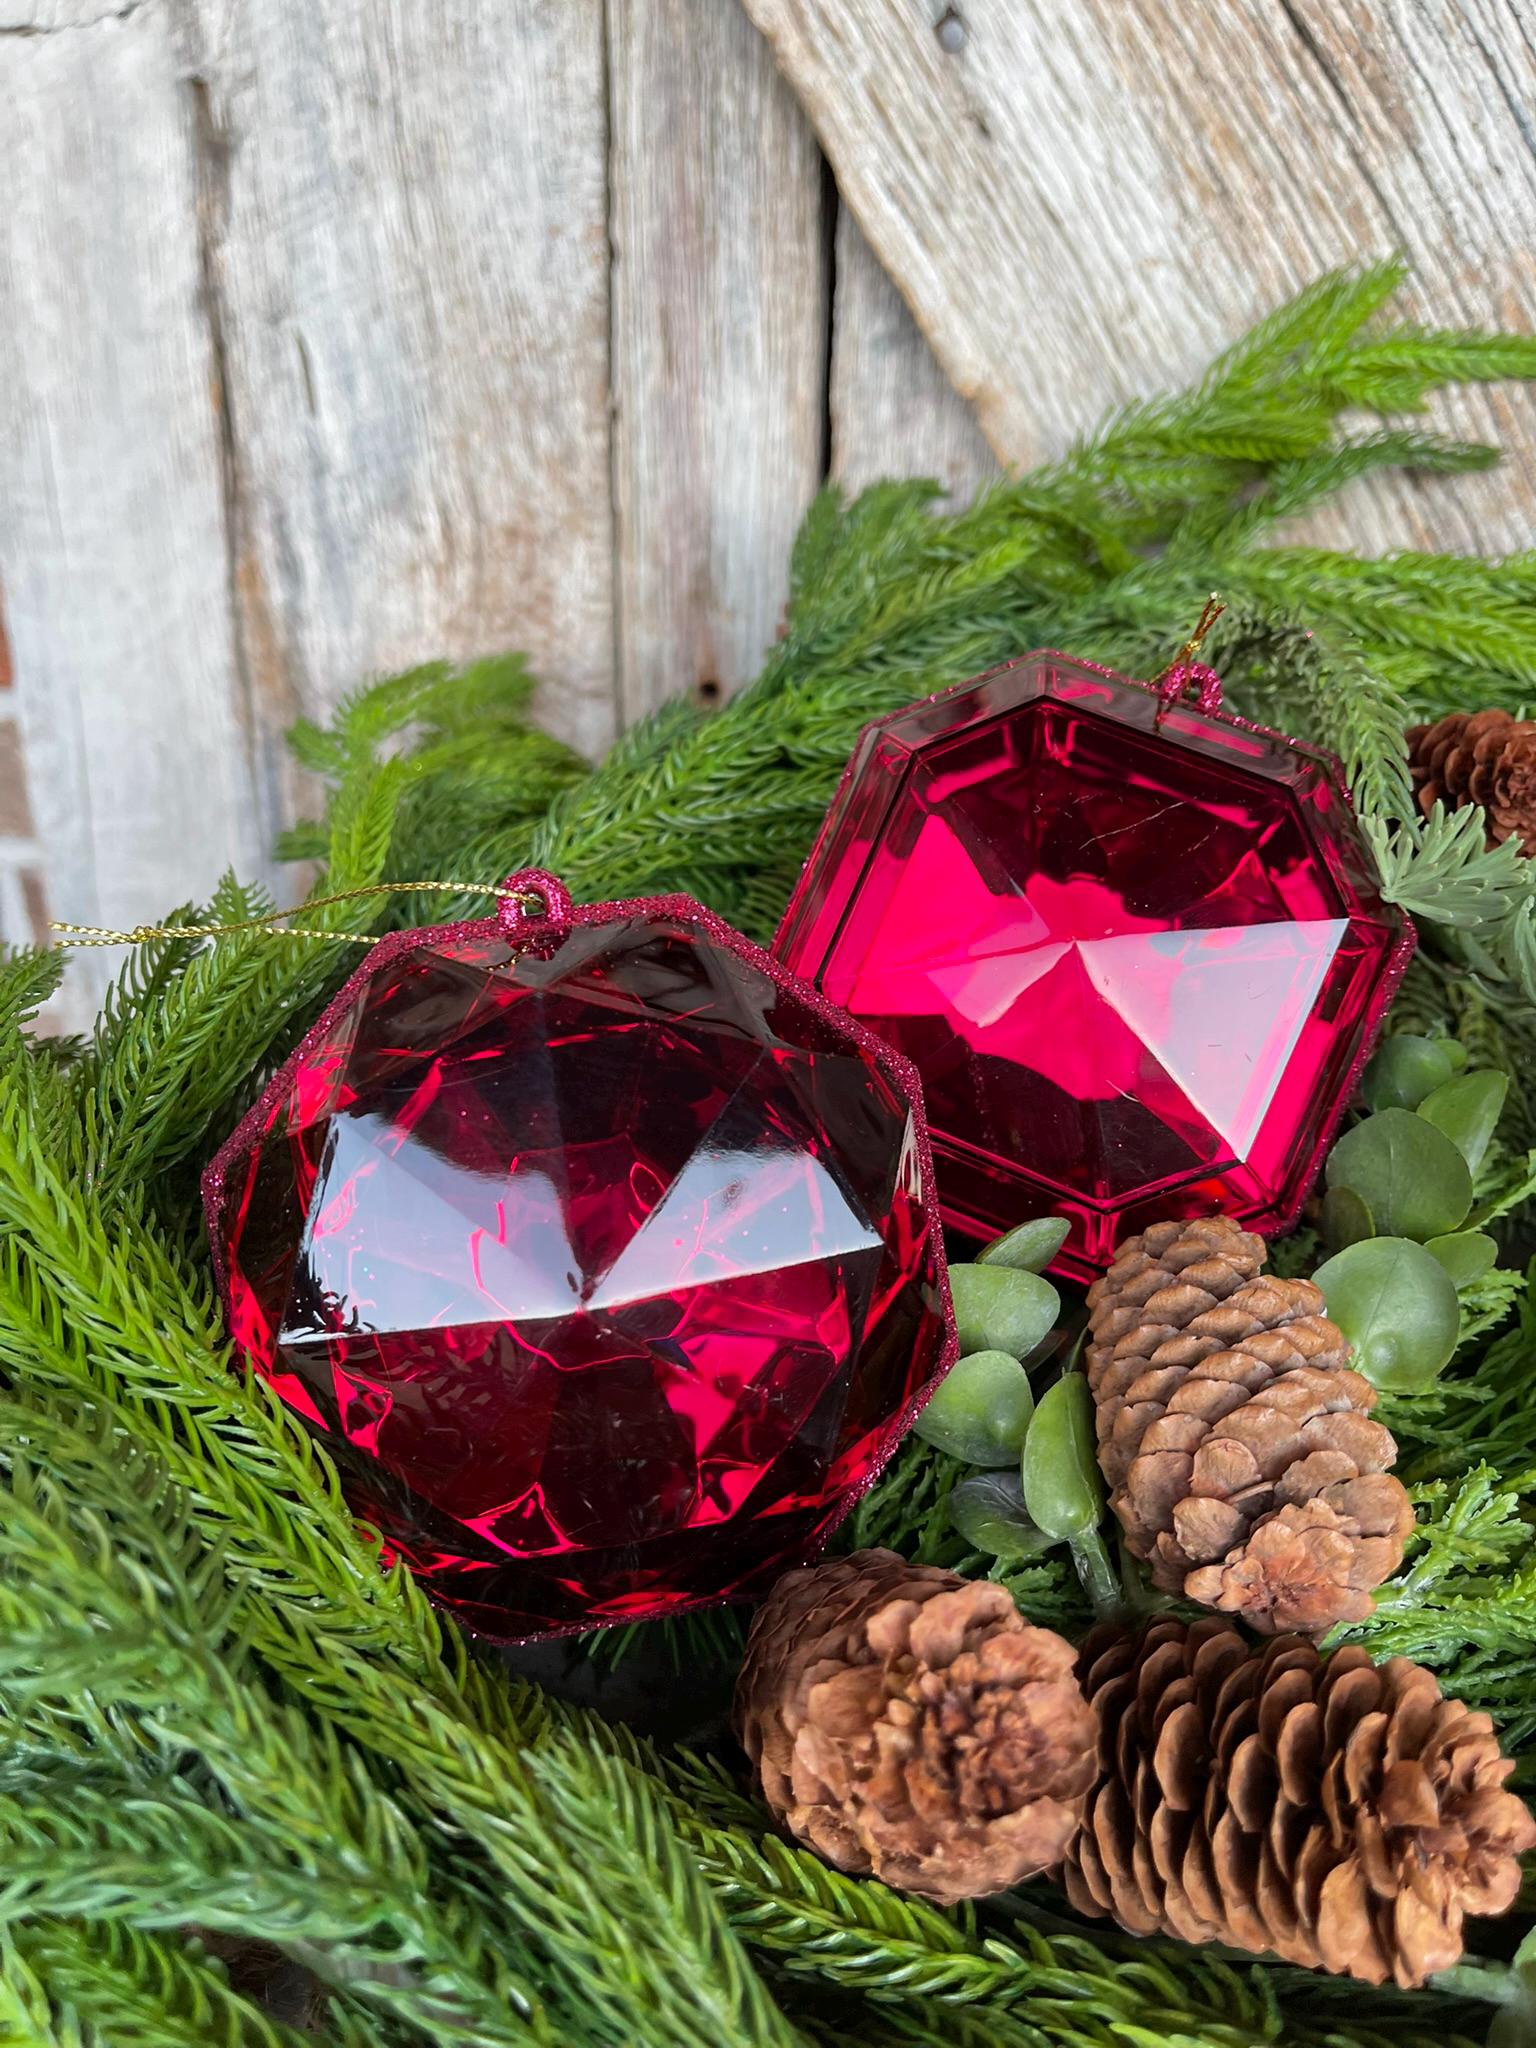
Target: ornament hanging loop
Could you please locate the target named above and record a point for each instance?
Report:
(532, 900)
(1186, 677)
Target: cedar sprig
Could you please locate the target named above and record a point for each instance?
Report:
(1466, 1602)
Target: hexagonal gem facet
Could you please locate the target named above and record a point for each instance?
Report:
(605, 1260)
(1136, 950)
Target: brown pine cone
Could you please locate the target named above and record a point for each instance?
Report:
(1189, 1267)
(1479, 757)
(908, 1722)
(1335, 1813)
(1237, 1443)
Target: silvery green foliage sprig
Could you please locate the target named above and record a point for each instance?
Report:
(1040, 1484)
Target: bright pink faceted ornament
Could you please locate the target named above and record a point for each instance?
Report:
(1134, 945)
(603, 1252)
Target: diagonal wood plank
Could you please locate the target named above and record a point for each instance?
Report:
(719, 342)
(1082, 199)
(893, 411)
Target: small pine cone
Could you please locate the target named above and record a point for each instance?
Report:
(908, 1722)
(1238, 1446)
(1479, 757)
(1336, 1813)
(1158, 1283)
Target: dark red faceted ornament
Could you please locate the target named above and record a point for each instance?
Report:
(1134, 945)
(603, 1252)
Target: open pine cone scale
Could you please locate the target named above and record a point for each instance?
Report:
(1479, 757)
(910, 1723)
(1335, 1813)
(1237, 1441)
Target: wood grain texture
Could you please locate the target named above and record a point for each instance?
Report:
(41, 17)
(894, 412)
(112, 535)
(406, 213)
(1086, 198)
(719, 343)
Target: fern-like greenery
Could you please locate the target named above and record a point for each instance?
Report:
(224, 1713)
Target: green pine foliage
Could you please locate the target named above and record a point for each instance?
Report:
(225, 1718)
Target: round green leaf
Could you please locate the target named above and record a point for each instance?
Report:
(980, 1410)
(988, 1511)
(1407, 1172)
(1397, 1305)
(1465, 1254)
(1062, 1489)
(1346, 1219)
(1403, 1071)
(998, 1308)
(1467, 1108)
(1030, 1248)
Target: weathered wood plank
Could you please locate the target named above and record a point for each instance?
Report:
(1082, 199)
(894, 412)
(407, 223)
(111, 516)
(719, 342)
(41, 17)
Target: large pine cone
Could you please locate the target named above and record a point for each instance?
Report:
(1479, 757)
(1335, 1813)
(907, 1722)
(1237, 1443)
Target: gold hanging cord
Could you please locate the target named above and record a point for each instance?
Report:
(275, 924)
(1186, 654)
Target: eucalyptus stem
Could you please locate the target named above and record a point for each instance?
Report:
(1095, 1568)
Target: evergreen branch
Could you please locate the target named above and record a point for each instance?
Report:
(191, 1607)
(28, 979)
(463, 1773)
(93, 1844)
(128, 1990)
(28, 2016)
(1322, 320)
(133, 1608)
(1466, 1604)
(1486, 1302)
(614, 1813)
(115, 1328)
(822, 1925)
(1278, 667)
(1294, 487)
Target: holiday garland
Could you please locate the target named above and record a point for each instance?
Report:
(226, 1724)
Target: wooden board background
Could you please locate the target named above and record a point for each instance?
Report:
(333, 338)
